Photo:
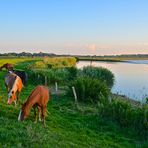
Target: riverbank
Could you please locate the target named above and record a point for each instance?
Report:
(125, 98)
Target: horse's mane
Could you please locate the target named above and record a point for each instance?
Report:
(26, 103)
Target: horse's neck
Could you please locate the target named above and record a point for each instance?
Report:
(28, 106)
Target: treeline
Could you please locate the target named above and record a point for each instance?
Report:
(27, 54)
(42, 54)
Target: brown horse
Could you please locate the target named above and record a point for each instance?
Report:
(38, 98)
(14, 86)
(8, 66)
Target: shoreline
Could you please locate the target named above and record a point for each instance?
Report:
(127, 99)
(126, 60)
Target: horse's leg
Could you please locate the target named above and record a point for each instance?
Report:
(15, 103)
(43, 115)
(18, 96)
(35, 114)
(39, 113)
(15, 100)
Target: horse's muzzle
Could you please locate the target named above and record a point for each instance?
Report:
(8, 102)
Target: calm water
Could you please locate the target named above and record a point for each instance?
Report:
(131, 78)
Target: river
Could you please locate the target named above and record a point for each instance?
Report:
(131, 77)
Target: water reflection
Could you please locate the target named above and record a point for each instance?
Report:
(131, 79)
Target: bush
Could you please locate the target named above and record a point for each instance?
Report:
(146, 100)
(89, 90)
(38, 65)
(72, 73)
(126, 114)
(53, 75)
(100, 73)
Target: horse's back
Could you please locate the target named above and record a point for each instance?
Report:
(23, 75)
(40, 94)
(44, 91)
(9, 79)
(19, 83)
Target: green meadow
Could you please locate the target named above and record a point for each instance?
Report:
(67, 124)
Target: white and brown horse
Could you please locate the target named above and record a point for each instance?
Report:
(14, 86)
(38, 98)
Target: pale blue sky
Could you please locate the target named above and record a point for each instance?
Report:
(74, 26)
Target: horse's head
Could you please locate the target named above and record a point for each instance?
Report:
(23, 113)
(11, 97)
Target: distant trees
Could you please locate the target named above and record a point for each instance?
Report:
(26, 54)
(42, 54)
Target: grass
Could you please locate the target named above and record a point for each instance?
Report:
(54, 62)
(16, 60)
(67, 125)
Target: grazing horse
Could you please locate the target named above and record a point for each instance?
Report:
(8, 66)
(38, 98)
(22, 74)
(14, 86)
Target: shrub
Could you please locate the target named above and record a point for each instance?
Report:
(89, 90)
(146, 100)
(100, 73)
(72, 73)
(53, 75)
(38, 65)
(126, 114)
(58, 75)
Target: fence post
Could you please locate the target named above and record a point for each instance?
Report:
(75, 95)
(38, 76)
(56, 86)
(45, 80)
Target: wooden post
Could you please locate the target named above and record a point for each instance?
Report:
(38, 76)
(110, 99)
(45, 80)
(56, 86)
(75, 95)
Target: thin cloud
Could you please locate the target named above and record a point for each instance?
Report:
(143, 44)
(92, 47)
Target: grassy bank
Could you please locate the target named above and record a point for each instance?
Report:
(16, 60)
(68, 125)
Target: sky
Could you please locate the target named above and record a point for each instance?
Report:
(87, 27)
